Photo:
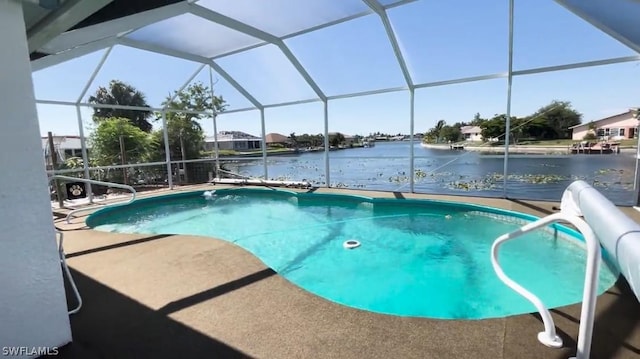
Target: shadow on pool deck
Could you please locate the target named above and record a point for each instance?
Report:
(112, 325)
(117, 245)
(617, 321)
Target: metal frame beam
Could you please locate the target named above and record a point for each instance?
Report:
(58, 58)
(577, 65)
(114, 28)
(93, 76)
(186, 83)
(599, 25)
(319, 27)
(122, 107)
(195, 58)
(508, 113)
(258, 34)
(83, 141)
(60, 20)
(367, 93)
(393, 40)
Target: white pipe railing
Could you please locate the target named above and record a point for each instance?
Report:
(549, 336)
(101, 183)
(63, 262)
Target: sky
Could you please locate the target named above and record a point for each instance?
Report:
(440, 40)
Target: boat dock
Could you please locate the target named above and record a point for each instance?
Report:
(600, 148)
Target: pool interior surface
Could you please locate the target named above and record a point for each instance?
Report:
(416, 257)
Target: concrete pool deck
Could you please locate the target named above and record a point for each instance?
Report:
(190, 297)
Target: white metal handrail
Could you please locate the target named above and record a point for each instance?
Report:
(63, 262)
(549, 336)
(85, 180)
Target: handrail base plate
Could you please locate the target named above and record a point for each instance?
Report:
(550, 342)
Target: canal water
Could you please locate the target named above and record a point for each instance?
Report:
(386, 167)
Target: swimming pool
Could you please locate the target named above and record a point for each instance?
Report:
(416, 257)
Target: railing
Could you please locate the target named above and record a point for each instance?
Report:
(63, 262)
(549, 336)
(246, 180)
(234, 174)
(85, 180)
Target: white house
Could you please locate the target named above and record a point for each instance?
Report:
(65, 147)
(471, 133)
(233, 140)
(617, 127)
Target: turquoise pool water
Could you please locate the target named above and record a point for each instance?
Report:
(417, 257)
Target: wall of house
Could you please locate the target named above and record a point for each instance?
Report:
(473, 137)
(33, 308)
(240, 145)
(626, 122)
(579, 133)
(224, 145)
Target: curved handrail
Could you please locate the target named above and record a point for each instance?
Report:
(85, 180)
(63, 261)
(549, 336)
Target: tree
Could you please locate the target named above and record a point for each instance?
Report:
(294, 139)
(493, 128)
(186, 136)
(558, 116)
(116, 141)
(518, 129)
(106, 142)
(477, 120)
(434, 133)
(121, 93)
(336, 139)
(451, 133)
(591, 133)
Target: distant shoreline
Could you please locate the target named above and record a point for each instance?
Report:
(515, 149)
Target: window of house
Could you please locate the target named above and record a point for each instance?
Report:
(600, 132)
(621, 132)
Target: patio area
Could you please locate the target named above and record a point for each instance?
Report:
(185, 296)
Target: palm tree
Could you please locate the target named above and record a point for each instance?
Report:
(121, 93)
(436, 132)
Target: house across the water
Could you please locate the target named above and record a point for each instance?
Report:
(617, 127)
(233, 140)
(471, 133)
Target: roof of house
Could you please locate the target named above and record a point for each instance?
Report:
(624, 114)
(227, 136)
(235, 135)
(276, 138)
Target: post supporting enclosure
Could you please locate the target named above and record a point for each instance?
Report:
(508, 121)
(167, 149)
(264, 144)
(85, 154)
(215, 124)
(327, 169)
(412, 171)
